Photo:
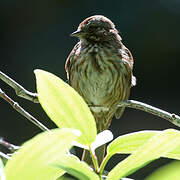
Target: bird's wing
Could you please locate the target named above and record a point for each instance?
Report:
(126, 55)
(128, 59)
(69, 61)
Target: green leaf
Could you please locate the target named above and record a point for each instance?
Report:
(170, 171)
(2, 174)
(32, 161)
(157, 146)
(174, 154)
(79, 169)
(65, 106)
(127, 144)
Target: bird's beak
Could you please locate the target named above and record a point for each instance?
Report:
(77, 33)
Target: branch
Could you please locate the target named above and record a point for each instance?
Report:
(4, 155)
(8, 145)
(173, 118)
(18, 108)
(20, 91)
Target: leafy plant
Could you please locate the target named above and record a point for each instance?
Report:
(47, 157)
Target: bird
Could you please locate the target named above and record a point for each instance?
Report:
(100, 69)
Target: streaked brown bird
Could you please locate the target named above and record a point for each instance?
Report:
(99, 68)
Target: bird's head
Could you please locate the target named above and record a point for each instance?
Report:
(96, 29)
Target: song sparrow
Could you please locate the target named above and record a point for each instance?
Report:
(99, 68)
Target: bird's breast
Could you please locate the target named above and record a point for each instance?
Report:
(96, 76)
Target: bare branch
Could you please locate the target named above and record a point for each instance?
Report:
(20, 91)
(8, 145)
(175, 119)
(18, 108)
(4, 155)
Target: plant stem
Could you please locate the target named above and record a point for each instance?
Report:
(20, 91)
(18, 108)
(8, 145)
(103, 164)
(4, 155)
(175, 119)
(94, 159)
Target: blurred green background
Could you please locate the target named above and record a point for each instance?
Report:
(35, 34)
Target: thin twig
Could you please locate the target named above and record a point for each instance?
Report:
(173, 118)
(4, 155)
(8, 145)
(20, 91)
(94, 159)
(18, 108)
